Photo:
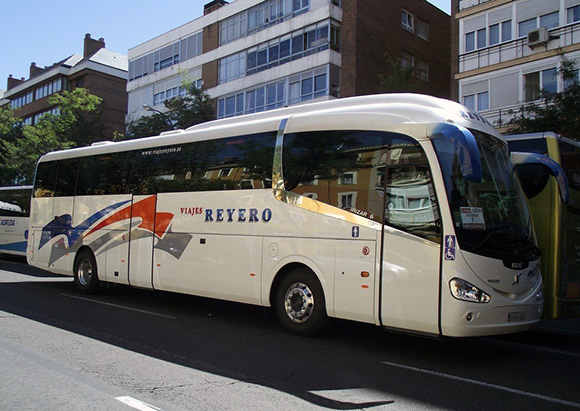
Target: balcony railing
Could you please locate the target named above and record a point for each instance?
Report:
(465, 4)
(518, 48)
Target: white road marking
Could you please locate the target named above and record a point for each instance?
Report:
(118, 306)
(135, 403)
(485, 384)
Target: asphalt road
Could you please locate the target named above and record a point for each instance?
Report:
(133, 349)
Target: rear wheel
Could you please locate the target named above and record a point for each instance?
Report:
(86, 277)
(300, 304)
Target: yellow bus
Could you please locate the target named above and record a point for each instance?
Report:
(557, 224)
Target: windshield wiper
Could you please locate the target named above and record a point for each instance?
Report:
(516, 235)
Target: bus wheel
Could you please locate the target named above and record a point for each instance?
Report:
(85, 273)
(300, 305)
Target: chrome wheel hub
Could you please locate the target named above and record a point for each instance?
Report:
(299, 302)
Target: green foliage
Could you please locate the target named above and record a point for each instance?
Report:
(78, 124)
(557, 112)
(400, 79)
(193, 108)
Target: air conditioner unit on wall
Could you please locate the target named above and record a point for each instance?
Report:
(538, 36)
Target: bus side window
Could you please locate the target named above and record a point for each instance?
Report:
(102, 174)
(411, 203)
(45, 182)
(66, 177)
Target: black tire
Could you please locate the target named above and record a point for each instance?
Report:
(86, 276)
(300, 304)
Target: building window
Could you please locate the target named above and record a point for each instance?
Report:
(536, 82)
(346, 200)
(48, 89)
(573, 14)
(422, 29)
(407, 21)
(279, 51)
(232, 67)
(549, 21)
(481, 38)
(422, 69)
(407, 60)
(526, 26)
(470, 41)
(299, 87)
(500, 32)
(167, 56)
(477, 102)
(348, 178)
(22, 100)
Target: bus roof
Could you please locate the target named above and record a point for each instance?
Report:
(403, 108)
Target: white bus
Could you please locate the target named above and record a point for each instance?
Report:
(309, 210)
(14, 219)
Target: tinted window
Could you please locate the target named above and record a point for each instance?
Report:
(45, 180)
(536, 145)
(352, 170)
(15, 203)
(227, 164)
(66, 177)
(102, 174)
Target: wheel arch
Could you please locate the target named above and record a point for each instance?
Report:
(294, 265)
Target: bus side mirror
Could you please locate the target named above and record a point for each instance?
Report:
(466, 149)
(553, 168)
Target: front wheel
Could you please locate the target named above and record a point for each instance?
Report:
(86, 278)
(300, 304)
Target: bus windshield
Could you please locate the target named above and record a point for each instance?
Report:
(490, 217)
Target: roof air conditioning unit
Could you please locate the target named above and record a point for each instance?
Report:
(538, 36)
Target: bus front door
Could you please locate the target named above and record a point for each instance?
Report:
(411, 245)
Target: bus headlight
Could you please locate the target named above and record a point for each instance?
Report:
(464, 291)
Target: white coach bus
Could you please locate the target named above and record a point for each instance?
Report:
(399, 210)
(14, 219)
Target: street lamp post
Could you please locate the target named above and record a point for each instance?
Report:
(165, 116)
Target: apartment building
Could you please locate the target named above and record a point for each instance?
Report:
(101, 71)
(506, 51)
(255, 55)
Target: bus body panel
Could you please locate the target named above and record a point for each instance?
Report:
(355, 280)
(505, 313)
(13, 235)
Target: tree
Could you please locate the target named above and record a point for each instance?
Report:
(193, 108)
(558, 112)
(77, 124)
(400, 79)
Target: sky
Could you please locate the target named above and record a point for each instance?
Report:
(45, 32)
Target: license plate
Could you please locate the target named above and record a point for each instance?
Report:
(514, 317)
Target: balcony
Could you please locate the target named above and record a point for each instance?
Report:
(518, 48)
(465, 4)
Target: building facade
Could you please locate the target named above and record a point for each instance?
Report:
(255, 55)
(506, 51)
(102, 72)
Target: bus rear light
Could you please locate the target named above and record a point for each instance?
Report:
(364, 274)
(464, 291)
